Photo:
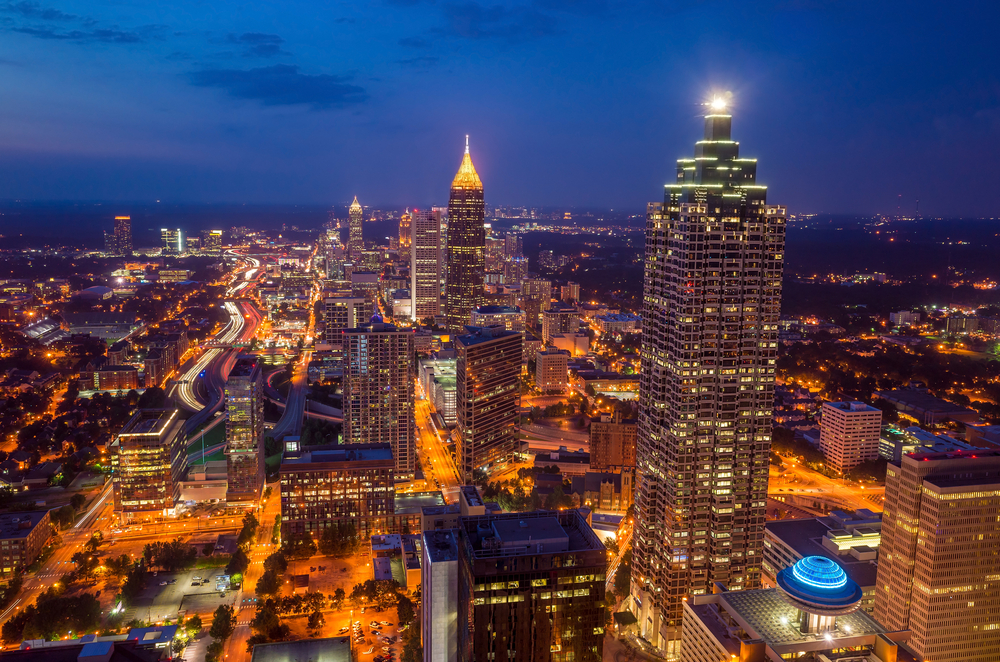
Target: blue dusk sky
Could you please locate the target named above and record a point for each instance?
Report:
(568, 103)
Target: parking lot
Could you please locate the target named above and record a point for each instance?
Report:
(169, 592)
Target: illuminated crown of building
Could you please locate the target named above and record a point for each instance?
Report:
(355, 204)
(467, 176)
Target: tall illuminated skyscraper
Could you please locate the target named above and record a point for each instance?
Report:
(405, 232)
(245, 432)
(712, 297)
(172, 241)
(466, 245)
(425, 264)
(355, 237)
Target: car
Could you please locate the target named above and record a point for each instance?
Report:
(369, 651)
(385, 649)
(163, 583)
(172, 581)
(343, 629)
(373, 624)
(386, 623)
(376, 633)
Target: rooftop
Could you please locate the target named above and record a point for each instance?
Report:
(519, 534)
(19, 525)
(480, 334)
(149, 422)
(441, 546)
(498, 310)
(806, 535)
(411, 504)
(333, 649)
(341, 453)
(244, 367)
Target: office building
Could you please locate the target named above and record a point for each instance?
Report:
(570, 292)
(172, 243)
(531, 588)
(894, 443)
(148, 460)
(612, 442)
(425, 264)
(334, 485)
(342, 313)
(509, 317)
(22, 537)
(513, 246)
(707, 382)
(939, 567)
(211, 240)
(852, 540)
(439, 621)
(438, 381)
(487, 398)
(378, 390)
(119, 242)
(551, 370)
(904, 318)
(495, 257)
(355, 235)
(515, 269)
(245, 432)
(405, 232)
(466, 245)
(559, 318)
(849, 434)
(577, 344)
(365, 285)
(812, 615)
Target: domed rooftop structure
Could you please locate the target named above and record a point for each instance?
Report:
(817, 585)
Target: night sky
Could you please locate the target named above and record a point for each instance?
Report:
(572, 103)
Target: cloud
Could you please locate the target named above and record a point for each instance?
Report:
(258, 44)
(472, 20)
(281, 85)
(422, 61)
(414, 42)
(110, 36)
(36, 11)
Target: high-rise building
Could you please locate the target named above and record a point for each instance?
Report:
(466, 245)
(849, 434)
(812, 615)
(355, 236)
(559, 318)
(495, 254)
(570, 292)
(148, 460)
(712, 297)
(939, 566)
(341, 313)
(514, 269)
(245, 432)
(487, 398)
(119, 242)
(211, 240)
(531, 588)
(378, 390)
(334, 485)
(365, 285)
(405, 232)
(425, 264)
(513, 246)
(551, 369)
(172, 242)
(612, 442)
(509, 317)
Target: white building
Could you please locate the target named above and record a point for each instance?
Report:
(439, 597)
(552, 369)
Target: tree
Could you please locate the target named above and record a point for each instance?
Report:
(223, 623)
(208, 548)
(315, 622)
(339, 540)
(214, 651)
(152, 398)
(78, 501)
(238, 562)
(268, 584)
(623, 576)
(404, 610)
(338, 599)
(193, 625)
(249, 530)
(412, 650)
(299, 546)
(171, 555)
(276, 562)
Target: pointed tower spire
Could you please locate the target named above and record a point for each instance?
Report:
(467, 176)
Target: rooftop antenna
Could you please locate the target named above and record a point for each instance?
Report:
(466, 143)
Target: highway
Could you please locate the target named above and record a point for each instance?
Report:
(290, 422)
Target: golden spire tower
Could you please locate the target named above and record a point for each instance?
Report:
(466, 245)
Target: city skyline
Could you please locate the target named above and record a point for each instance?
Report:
(280, 107)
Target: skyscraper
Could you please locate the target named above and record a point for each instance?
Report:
(355, 237)
(378, 390)
(487, 398)
(245, 432)
(712, 297)
(466, 245)
(119, 242)
(405, 233)
(172, 242)
(938, 567)
(211, 240)
(425, 263)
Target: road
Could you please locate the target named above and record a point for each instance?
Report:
(290, 422)
(438, 465)
(798, 480)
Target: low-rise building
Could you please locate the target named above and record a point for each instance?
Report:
(22, 537)
(619, 323)
(551, 369)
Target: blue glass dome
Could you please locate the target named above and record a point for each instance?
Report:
(819, 585)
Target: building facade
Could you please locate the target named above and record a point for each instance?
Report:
(425, 264)
(342, 313)
(324, 486)
(22, 537)
(849, 434)
(487, 398)
(148, 460)
(405, 232)
(245, 432)
(119, 242)
(559, 318)
(531, 588)
(612, 449)
(939, 570)
(712, 296)
(378, 390)
(551, 369)
(171, 242)
(355, 233)
(466, 264)
(509, 317)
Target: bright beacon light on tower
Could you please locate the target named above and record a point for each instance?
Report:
(718, 104)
